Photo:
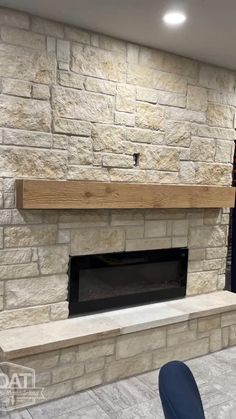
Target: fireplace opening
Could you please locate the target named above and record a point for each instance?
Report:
(114, 280)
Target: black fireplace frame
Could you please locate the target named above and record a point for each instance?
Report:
(76, 264)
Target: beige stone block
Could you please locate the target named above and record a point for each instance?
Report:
(212, 216)
(47, 27)
(26, 114)
(146, 95)
(108, 138)
(181, 352)
(67, 372)
(77, 35)
(100, 240)
(16, 271)
(51, 44)
(70, 126)
(109, 43)
(179, 114)
(122, 368)
(202, 149)
(225, 219)
(60, 142)
(196, 254)
(232, 335)
(176, 339)
(16, 87)
(53, 259)
(216, 252)
(165, 214)
(216, 340)
(132, 53)
(23, 38)
(68, 79)
(88, 173)
(224, 151)
(67, 104)
(100, 63)
(122, 118)
(1, 237)
(212, 132)
(94, 364)
(159, 158)
(80, 151)
(210, 265)
(114, 160)
(27, 138)
(177, 328)
(225, 337)
(26, 162)
(43, 379)
(155, 228)
(41, 362)
(14, 18)
(68, 355)
(132, 345)
(30, 235)
(216, 78)
(127, 175)
(149, 116)
(208, 236)
(180, 227)
(195, 266)
(8, 257)
(172, 99)
(208, 323)
(168, 177)
(228, 319)
(79, 218)
(220, 115)
(148, 244)
(31, 291)
(222, 98)
(214, 174)
(58, 390)
(88, 380)
(97, 349)
(152, 78)
(187, 172)
(127, 217)
(197, 98)
(199, 282)
(125, 98)
(179, 241)
(146, 136)
(24, 317)
(59, 311)
(100, 86)
(134, 232)
(41, 91)
(63, 51)
(26, 217)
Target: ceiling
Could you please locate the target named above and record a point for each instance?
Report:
(209, 34)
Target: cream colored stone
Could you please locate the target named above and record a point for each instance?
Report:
(132, 53)
(220, 115)
(41, 361)
(72, 126)
(149, 116)
(22, 162)
(216, 340)
(67, 104)
(148, 244)
(216, 252)
(172, 99)
(91, 351)
(222, 98)
(30, 235)
(199, 281)
(208, 323)
(113, 160)
(100, 63)
(146, 95)
(23, 38)
(14, 18)
(180, 227)
(63, 53)
(122, 368)
(134, 232)
(59, 311)
(68, 79)
(126, 175)
(122, 118)
(101, 240)
(212, 264)
(24, 317)
(207, 236)
(168, 177)
(94, 364)
(108, 138)
(214, 174)
(88, 173)
(196, 254)
(47, 27)
(16, 271)
(132, 345)
(176, 339)
(178, 133)
(202, 149)
(125, 98)
(224, 151)
(60, 142)
(67, 372)
(58, 390)
(228, 319)
(212, 132)
(178, 114)
(53, 259)
(159, 158)
(197, 98)
(155, 228)
(31, 291)
(80, 151)
(79, 218)
(41, 92)
(77, 35)
(22, 113)
(8, 257)
(16, 87)
(87, 381)
(27, 138)
(100, 86)
(216, 78)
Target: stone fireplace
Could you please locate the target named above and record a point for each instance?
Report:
(77, 105)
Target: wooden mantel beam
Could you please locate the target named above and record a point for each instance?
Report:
(43, 194)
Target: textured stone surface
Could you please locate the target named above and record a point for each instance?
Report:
(220, 115)
(149, 116)
(23, 38)
(97, 241)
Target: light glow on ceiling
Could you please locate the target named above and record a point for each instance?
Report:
(174, 18)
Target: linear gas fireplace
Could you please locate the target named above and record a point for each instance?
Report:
(104, 281)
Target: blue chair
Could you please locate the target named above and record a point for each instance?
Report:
(179, 392)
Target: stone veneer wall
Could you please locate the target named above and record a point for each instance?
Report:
(78, 105)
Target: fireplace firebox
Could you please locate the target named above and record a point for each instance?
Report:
(104, 281)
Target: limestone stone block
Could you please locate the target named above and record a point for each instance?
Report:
(47, 27)
(207, 236)
(195, 266)
(79, 218)
(27, 138)
(56, 391)
(100, 86)
(100, 63)
(72, 126)
(16, 271)
(14, 18)
(8, 257)
(197, 98)
(158, 158)
(216, 340)
(149, 116)
(129, 346)
(41, 91)
(1, 237)
(31, 291)
(176, 339)
(208, 323)
(178, 133)
(88, 173)
(152, 78)
(91, 351)
(196, 254)
(108, 43)
(80, 151)
(127, 175)
(155, 228)
(132, 53)
(146, 95)
(199, 282)
(60, 142)
(68, 355)
(77, 35)
(122, 118)
(59, 311)
(172, 99)
(202, 149)
(179, 241)
(216, 78)
(148, 244)
(22, 162)
(43, 379)
(138, 135)
(136, 232)
(114, 160)
(108, 138)
(51, 44)
(212, 216)
(212, 132)
(53, 259)
(63, 51)
(41, 362)
(24, 317)
(181, 352)
(23, 38)
(94, 364)
(220, 115)
(224, 151)
(222, 98)
(122, 368)
(168, 177)
(125, 98)
(211, 264)
(180, 227)
(67, 372)
(16, 87)
(87, 381)
(216, 252)
(27, 64)
(30, 235)
(214, 174)
(127, 217)
(228, 319)
(67, 79)
(67, 104)
(101, 240)
(179, 114)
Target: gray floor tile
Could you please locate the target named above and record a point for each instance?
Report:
(208, 368)
(212, 396)
(147, 410)
(89, 412)
(150, 379)
(223, 411)
(20, 414)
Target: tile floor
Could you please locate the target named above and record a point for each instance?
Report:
(137, 397)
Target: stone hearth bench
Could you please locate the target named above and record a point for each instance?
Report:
(79, 353)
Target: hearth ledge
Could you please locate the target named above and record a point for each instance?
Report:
(25, 341)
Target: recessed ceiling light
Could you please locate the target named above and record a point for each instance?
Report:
(174, 18)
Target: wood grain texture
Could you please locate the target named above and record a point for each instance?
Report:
(42, 194)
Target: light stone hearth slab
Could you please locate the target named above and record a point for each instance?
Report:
(46, 337)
